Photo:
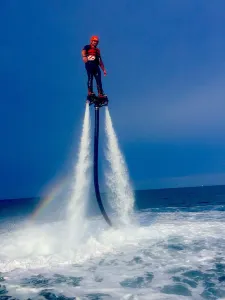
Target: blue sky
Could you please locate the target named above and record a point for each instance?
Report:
(165, 63)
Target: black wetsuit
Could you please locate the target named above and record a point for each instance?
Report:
(92, 67)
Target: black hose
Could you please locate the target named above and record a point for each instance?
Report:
(98, 196)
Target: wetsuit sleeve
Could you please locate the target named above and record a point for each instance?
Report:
(84, 53)
(85, 49)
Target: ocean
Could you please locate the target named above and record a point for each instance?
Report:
(173, 249)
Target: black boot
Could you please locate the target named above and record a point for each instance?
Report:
(101, 94)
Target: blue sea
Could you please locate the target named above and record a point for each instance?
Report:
(175, 249)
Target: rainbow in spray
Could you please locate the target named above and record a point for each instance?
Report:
(49, 195)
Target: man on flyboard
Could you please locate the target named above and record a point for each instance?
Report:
(92, 59)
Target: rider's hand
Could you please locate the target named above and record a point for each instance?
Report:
(104, 71)
(85, 59)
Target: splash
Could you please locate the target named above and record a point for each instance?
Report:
(80, 184)
(118, 181)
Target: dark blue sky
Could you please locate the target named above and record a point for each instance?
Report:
(165, 63)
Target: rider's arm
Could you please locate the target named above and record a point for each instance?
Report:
(84, 55)
(101, 64)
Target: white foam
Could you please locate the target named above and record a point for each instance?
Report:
(115, 255)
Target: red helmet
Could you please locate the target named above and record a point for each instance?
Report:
(94, 38)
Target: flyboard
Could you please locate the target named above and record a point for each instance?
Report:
(98, 102)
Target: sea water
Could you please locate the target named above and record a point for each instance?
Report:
(177, 251)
